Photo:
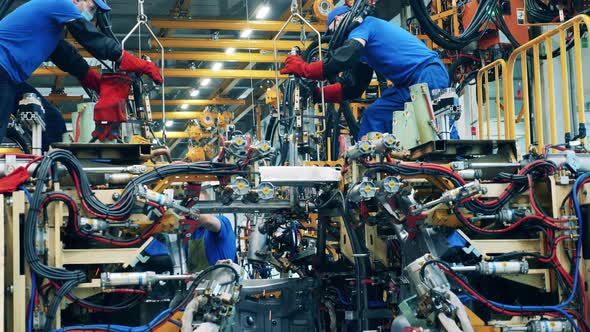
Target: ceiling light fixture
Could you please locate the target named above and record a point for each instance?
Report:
(217, 66)
(230, 51)
(169, 123)
(184, 106)
(262, 12)
(194, 92)
(205, 82)
(246, 33)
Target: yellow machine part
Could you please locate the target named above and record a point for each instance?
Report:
(224, 119)
(210, 151)
(11, 150)
(196, 134)
(322, 8)
(195, 154)
(271, 96)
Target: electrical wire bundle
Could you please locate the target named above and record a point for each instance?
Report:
(122, 208)
(358, 12)
(164, 316)
(476, 29)
(63, 280)
(539, 12)
(538, 221)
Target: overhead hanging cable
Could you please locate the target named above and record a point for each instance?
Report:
(483, 16)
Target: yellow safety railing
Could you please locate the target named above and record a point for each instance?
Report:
(500, 70)
(533, 51)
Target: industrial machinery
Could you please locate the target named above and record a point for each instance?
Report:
(404, 231)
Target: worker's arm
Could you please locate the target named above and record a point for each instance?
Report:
(105, 48)
(350, 85)
(210, 223)
(67, 58)
(99, 45)
(343, 58)
(356, 80)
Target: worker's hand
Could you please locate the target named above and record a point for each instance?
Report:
(91, 80)
(296, 65)
(332, 94)
(136, 65)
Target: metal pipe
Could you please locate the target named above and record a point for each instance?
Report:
(579, 81)
(480, 101)
(550, 76)
(565, 86)
(539, 133)
(488, 120)
(499, 131)
(493, 165)
(525, 101)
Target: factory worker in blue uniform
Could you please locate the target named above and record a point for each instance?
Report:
(375, 45)
(34, 33)
(213, 240)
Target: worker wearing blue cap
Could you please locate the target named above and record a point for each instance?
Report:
(374, 45)
(33, 33)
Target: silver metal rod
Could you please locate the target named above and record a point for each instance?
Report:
(493, 165)
(464, 268)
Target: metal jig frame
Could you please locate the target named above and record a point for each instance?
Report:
(295, 14)
(143, 20)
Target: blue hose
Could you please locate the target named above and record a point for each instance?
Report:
(118, 328)
(33, 275)
(32, 301)
(27, 193)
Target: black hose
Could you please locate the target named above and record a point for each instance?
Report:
(351, 121)
(361, 266)
(442, 37)
(321, 246)
(55, 302)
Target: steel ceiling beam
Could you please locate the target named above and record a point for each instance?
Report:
(209, 56)
(282, 45)
(187, 73)
(199, 102)
(224, 73)
(158, 115)
(200, 43)
(234, 25)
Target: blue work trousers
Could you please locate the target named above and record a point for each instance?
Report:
(379, 116)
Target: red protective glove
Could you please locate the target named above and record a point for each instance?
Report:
(296, 65)
(91, 80)
(332, 94)
(114, 91)
(136, 65)
(10, 183)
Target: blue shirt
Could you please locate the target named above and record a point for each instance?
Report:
(392, 51)
(221, 245)
(218, 246)
(30, 34)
